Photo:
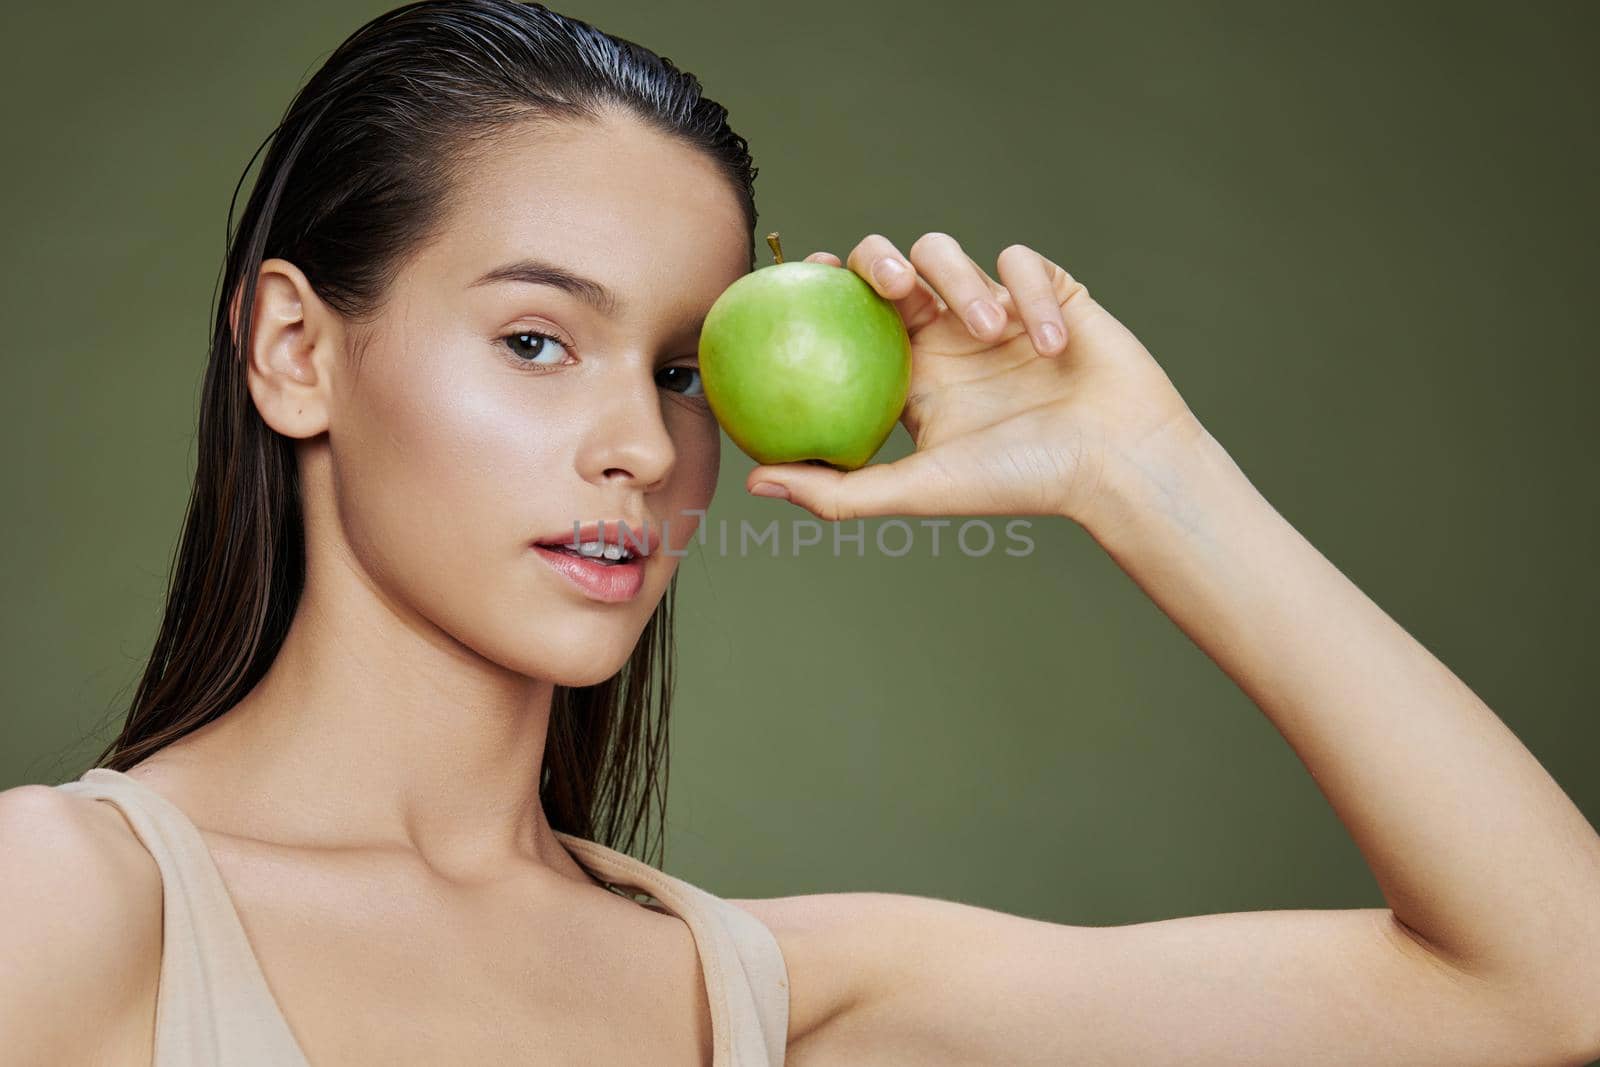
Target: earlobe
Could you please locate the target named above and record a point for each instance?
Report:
(286, 366)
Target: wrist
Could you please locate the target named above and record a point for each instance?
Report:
(1168, 474)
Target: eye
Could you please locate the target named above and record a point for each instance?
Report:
(684, 380)
(531, 346)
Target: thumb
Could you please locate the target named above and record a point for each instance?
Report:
(1079, 310)
(909, 486)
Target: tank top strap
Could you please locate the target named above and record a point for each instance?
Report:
(747, 980)
(213, 1005)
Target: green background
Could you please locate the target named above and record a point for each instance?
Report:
(1359, 237)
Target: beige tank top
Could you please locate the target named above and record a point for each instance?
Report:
(214, 1008)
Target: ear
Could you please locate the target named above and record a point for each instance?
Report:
(294, 340)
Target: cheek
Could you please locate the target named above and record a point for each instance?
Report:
(698, 442)
(445, 466)
(437, 456)
(438, 463)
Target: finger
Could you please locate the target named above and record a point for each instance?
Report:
(964, 286)
(1031, 282)
(912, 485)
(891, 274)
(824, 257)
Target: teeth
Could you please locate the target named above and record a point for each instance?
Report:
(602, 549)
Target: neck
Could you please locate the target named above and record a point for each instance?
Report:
(373, 729)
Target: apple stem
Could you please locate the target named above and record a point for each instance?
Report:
(777, 249)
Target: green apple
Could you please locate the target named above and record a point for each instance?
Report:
(805, 361)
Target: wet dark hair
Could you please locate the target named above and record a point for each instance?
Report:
(358, 177)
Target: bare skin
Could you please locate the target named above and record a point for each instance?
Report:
(394, 733)
(394, 741)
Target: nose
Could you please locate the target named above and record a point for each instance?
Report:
(627, 443)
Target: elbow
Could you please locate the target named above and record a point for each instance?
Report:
(1557, 1016)
(1584, 1025)
(1575, 1034)
(1588, 1036)
(1560, 996)
(1587, 1055)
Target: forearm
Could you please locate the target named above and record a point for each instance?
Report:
(1474, 846)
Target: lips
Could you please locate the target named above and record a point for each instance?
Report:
(597, 579)
(640, 538)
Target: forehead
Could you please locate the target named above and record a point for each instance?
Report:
(647, 215)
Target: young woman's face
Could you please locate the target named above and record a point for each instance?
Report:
(463, 437)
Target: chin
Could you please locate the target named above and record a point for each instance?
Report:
(580, 662)
(547, 636)
(592, 673)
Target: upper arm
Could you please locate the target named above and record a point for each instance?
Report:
(80, 925)
(917, 980)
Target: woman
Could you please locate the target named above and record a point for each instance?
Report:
(459, 315)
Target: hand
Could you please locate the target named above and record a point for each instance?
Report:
(1008, 417)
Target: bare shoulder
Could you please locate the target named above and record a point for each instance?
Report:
(845, 951)
(836, 948)
(80, 925)
(61, 841)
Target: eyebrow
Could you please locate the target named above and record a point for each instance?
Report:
(537, 272)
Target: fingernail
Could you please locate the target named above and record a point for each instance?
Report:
(887, 271)
(985, 316)
(770, 489)
(1049, 337)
